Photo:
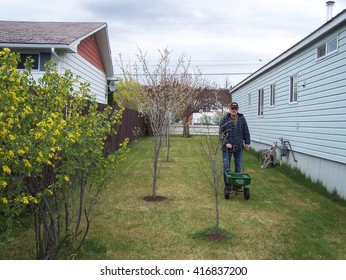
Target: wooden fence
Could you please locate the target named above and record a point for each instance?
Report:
(132, 127)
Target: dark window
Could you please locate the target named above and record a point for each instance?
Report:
(25, 56)
(293, 88)
(260, 102)
(44, 57)
(39, 60)
(206, 109)
(272, 95)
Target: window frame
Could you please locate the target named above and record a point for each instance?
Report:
(260, 102)
(39, 64)
(272, 94)
(293, 89)
(326, 48)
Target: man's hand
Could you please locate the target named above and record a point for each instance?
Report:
(247, 147)
(229, 146)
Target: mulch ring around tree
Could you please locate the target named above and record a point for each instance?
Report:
(156, 198)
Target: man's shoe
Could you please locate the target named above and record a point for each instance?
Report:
(227, 191)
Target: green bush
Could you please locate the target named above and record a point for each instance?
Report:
(51, 154)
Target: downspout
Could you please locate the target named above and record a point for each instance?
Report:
(57, 57)
(58, 64)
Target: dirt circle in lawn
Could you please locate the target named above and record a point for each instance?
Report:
(156, 198)
(215, 236)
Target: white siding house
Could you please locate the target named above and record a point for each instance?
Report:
(301, 97)
(82, 47)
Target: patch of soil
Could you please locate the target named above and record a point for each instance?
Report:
(156, 198)
(215, 236)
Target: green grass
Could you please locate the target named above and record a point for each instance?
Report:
(287, 216)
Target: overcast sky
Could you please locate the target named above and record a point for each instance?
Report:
(220, 36)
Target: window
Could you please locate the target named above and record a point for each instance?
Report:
(39, 60)
(272, 95)
(294, 88)
(207, 109)
(24, 57)
(260, 102)
(327, 48)
(249, 99)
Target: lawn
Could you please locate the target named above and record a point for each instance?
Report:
(286, 216)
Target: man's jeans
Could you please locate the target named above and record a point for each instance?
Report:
(226, 157)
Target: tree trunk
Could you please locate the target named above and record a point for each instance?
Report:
(186, 127)
(157, 147)
(217, 216)
(168, 143)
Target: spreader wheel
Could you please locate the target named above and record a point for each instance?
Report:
(247, 193)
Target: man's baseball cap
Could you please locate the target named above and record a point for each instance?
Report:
(234, 105)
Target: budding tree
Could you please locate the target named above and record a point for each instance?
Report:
(211, 147)
(162, 94)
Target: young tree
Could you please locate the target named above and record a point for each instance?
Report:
(51, 154)
(160, 99)
(211, 146)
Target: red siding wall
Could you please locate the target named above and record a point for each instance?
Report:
(89, 50)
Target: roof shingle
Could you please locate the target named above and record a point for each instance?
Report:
(58, 33)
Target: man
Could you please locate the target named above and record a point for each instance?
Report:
(234, 133)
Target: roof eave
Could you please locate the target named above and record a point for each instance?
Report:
(102, 38)
(101, 33)
(105, 50)
(37, 46)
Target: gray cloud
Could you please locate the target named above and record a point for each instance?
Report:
(136, 12)
(221, 35)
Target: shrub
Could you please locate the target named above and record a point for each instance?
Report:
(51, 153)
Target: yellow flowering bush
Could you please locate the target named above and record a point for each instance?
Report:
(51, 152)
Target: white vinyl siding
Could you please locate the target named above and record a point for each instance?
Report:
(316, 125)
(249, 99)
(88, 73)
